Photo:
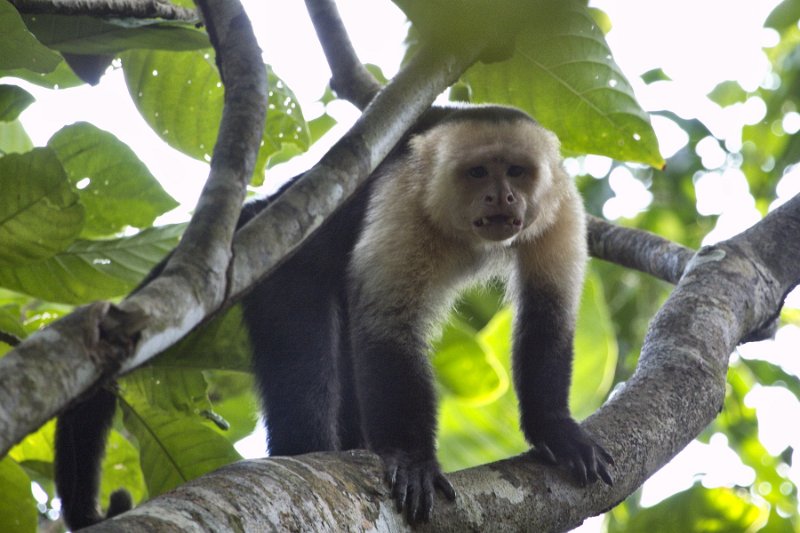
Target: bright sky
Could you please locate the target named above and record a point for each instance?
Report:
(697, 43)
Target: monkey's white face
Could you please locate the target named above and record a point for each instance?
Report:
(497, 192)
(488, 178)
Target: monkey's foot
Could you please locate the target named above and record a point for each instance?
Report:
(563, 442)
(413, 484)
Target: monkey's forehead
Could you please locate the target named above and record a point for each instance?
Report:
(489, 113)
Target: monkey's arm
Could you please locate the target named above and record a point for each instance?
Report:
(396, 395)
(548, 292)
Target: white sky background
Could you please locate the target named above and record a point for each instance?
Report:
(698, 43)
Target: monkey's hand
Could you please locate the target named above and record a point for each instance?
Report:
(413, 483)
(561, 441)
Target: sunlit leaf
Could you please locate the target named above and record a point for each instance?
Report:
(115, 187)
(40, 214)
(93, 270)
(467, 369)
(472, 434)
(563, 74)
(17, 506)
(699, 509)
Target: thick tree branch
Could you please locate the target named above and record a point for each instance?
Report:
(137, 9)
(728, 290)
(350, 80)
(97, 340)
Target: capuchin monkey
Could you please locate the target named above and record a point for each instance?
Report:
(341, 329)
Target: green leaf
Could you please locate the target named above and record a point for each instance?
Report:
(93, 270)
(728, 93)
(180, 95)
(20, 47)
(36, 447)
(115, 187)
(595, 351)
(699, 509)
(120, 469)
(784, 16)
(17, 506)
(467, 369)
(14, 139)
(89, 35)
(563, 74)
(13, 100)
(40, 214)
(163, 410)
(221, 344)
(476, 434)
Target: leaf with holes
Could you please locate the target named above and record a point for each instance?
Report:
(115, 187)
(180, 95)
(40, 214)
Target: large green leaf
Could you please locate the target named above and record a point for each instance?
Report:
(595, 351)
(40, 214)
(20, 48)
(93, 270)
(562, 73)
(466, 368)
(17, 506)
(471, 434)
(164, 410)
(114, 185)
(13, 100)
(180, 95)
(89, 35)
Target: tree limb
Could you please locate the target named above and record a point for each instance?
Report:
(351, 81)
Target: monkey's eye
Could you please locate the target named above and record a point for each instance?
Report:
(478, 172)
(515, 171)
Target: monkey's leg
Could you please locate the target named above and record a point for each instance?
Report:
(293, 326)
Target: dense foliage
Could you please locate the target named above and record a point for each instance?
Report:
(76, 225)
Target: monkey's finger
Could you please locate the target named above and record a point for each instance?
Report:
(400, 489)
(604, 475)
(443, 484)
(546, 453)
(590, 464)
(604, 455)
(413, 501)
(426, 497)
(579, 468)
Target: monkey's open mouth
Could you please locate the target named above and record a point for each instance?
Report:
(497, 220)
